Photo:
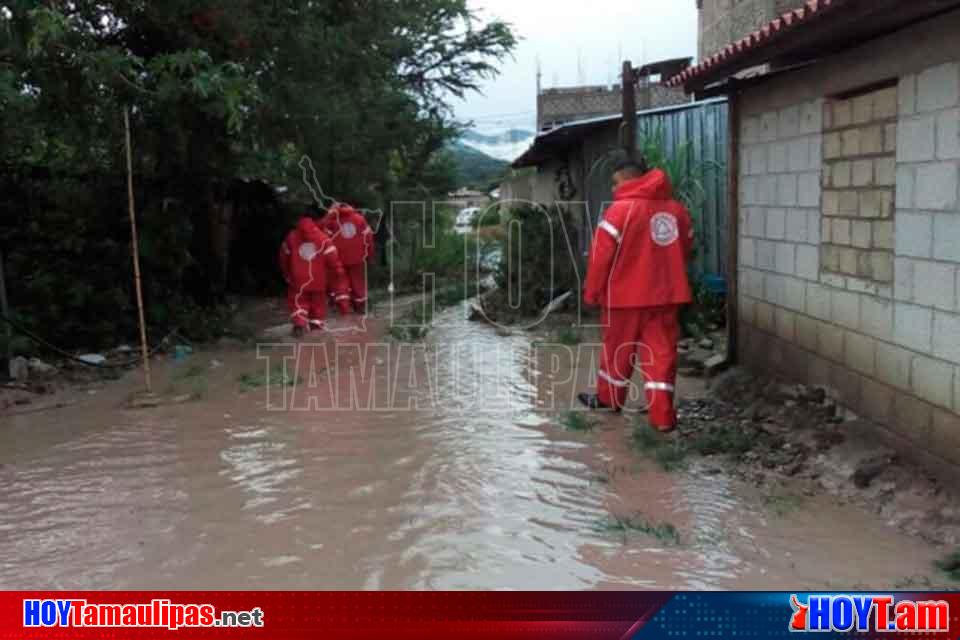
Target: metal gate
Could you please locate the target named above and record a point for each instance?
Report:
(702, 126)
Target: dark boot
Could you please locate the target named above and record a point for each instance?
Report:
(592, 401)
(298, 332)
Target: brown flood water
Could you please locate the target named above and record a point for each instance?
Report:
(477, 487)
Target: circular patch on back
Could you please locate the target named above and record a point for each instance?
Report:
(307, 251)
(348, 230)
(664, 229)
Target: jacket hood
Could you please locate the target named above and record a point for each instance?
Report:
(653, 185)
(306, 226)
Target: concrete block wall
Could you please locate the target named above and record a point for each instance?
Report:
(724, 21)
(886, 341)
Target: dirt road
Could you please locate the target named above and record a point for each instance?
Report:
(457, 473)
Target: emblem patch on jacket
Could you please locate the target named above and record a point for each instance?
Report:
(307, 251)
(348, 230)
(664, 229)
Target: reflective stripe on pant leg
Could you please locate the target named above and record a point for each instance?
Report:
(661, 333)
(616, 358)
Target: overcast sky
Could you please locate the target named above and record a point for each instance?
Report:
(560, 31)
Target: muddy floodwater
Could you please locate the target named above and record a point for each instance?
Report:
(457, 474)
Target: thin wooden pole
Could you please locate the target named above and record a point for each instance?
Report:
(5, 308)
(136, 255)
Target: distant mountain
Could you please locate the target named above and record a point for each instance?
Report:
(506, 145)
(476, 169)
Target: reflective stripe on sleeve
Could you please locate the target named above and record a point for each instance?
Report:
(659, 386)
(616, 383)
(612, 230)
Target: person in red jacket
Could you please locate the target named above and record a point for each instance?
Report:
(638, 274)
(354, 240)
(310, 265)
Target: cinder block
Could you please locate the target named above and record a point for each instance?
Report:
(813, 227)
(816, 151)
(863, 108)
(829, 259)
(754, 283)
(945, 435)
(746, 308)
(860, 353)
(787, 190)
(846, 309)
(938, 87)
(885, 171)
(948, 135)
(914, 235)
(794, 294)
(750, 130)
(905, 182)
(774, 289)
(765, 317)
(778, 157)
(946, 336)
(841, 232)
(808, 262)
(894, 365)
(890, 138)
(871, 139)
(934, 285)
(861, 234)
(937, 186)
(903, 279)
(789, 122)
(807, 330)
(786, 324)
(818, 301)
(883, 235)
(885, 104)
(831, 205)
(769, 123)
(830, 342)
(912, 327)
(842, 113)
(876, 316)
(776, 224)
(913, 418)
(876, 203)
(747, 252)
(833, 280)
(755, 222)
(809, 190)
(800, 154)
(766, 255)
(876, 401)
(811, 117)
(786, 258)
(916, 139)
(842, 174)
(932, 380)
(881, 266)
(907, 95)
(850, 140)
(832, 146)
(946, 236)
(757, 160)
(847, 384)
(862, 173)
(797, 225)
(849, 203)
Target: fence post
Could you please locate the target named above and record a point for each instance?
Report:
(5, 308)
(628, 129)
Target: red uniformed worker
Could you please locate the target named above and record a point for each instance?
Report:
(638, 275)
(310, 265)
(354, 240)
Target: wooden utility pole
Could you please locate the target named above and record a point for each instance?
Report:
(628, 129)
(145, 350)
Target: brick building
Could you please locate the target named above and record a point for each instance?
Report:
(724, 21)
(560, 106)
(846, 166)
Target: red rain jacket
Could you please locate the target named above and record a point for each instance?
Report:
(351, 234)
(641, 248)
(305, 257)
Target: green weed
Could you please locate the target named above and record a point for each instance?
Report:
(669, 453)
(781, 505)
(276, 377)
(663, 531)
(578, 421)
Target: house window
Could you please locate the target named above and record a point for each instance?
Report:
(859, 179)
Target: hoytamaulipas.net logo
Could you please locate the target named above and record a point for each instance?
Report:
(868, 613)
(156, 613)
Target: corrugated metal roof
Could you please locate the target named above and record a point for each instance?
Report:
(812, 12)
